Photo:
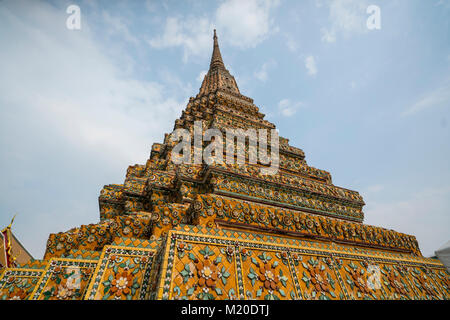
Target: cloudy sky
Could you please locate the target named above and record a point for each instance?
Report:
(370, 106)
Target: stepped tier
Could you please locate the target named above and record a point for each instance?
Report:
(283, 189)
(212, 210)
(227, 231)
(197, 262)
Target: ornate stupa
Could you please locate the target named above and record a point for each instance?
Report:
(227, 231)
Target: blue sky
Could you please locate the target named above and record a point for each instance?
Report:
(370, 106)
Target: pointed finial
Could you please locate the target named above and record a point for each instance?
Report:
(217, 77)
(216, 59)
(10, 261)
(12, 220)
(10, 224)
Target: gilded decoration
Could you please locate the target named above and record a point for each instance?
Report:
(64, 279)
(18, 284)
(203, 272)
(122, 273)
(267, 275)
(281, 196)
(165, 217)
(360, 281)
(277, 268)
(214, 207)
(96, 236)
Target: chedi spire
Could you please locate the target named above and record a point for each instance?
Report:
(218, 77)
(216, 58)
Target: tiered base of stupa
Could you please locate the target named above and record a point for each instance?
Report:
(231, 249)
(204, 263)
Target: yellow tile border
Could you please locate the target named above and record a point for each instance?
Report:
(49, 265)
(102, 257)
(311, 250)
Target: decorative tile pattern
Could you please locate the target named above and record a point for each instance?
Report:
(358, 278)
(277, 194)
(35, 264)
(64, 279)
(281, 269)
(210, 208)
(167, 216)
(82, 254)
(203, 272)
(442, 280)
(267, 274)
(122, 274)
(96, 236)
(317, 277)
(18, 283)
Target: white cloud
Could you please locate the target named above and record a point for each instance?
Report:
(291, 43)
(328, 35)
(117, 25)
(240, 23)
(262, 73)
(319, 3)
(245, 23)
(288, 108)
(70, 120)
(151, 6)
(347, 17)
(438, 97)
(444, 3)
(310, 64)
(78, 90)
(192, 34)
